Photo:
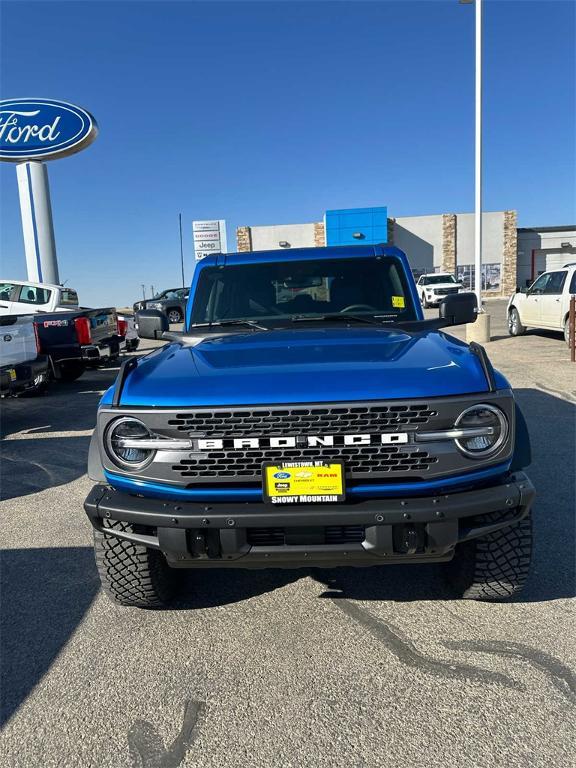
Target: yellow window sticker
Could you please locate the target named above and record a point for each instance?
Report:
(398, 302)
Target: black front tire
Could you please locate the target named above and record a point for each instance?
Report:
(132, 574)
(494, 567)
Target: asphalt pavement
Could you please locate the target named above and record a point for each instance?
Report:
(356, 668)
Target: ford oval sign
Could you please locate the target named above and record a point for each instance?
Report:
(42, 129)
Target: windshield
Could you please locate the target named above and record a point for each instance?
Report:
(436, 279)
(276, 292)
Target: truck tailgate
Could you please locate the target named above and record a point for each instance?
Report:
(103, 323)
(17, 339)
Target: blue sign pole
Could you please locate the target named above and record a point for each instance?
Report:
(37, 227)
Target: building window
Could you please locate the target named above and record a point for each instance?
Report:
(491, 274)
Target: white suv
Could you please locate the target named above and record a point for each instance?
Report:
(545, 304)
(434, 287)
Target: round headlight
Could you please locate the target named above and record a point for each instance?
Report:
(121, 441)
(485, 429)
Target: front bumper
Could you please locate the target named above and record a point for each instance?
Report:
(24, 376)
(257, 535)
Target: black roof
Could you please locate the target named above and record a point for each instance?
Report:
(565, 228)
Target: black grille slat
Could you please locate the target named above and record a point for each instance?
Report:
(300, 421)
(364, 460)
(333, 534)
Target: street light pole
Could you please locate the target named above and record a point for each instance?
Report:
(480, 330)
(181, 250)
(478, 159)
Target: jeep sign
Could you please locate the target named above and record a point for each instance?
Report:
(209, 237)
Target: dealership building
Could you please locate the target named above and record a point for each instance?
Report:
(511, 256)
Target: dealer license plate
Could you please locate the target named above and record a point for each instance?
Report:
(12, 374)
(303, 482)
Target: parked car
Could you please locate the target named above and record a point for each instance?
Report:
(22, 366)
(171, 302)
(20, 297)
(325, 425)
(545, 304)
(434, 287)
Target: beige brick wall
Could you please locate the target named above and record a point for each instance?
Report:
(319, 234)
(243, 239)
(390, 233)
(449, 243)
(509, 254)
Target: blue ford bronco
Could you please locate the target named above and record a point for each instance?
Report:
(309, 416)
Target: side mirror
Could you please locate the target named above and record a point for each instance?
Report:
(151, 324)
(459, 308)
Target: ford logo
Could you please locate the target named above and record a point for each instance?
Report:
(42, 129)
(282, 475)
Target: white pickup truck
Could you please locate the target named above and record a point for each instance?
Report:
(18, 297)
(545, 304)
(22, 367)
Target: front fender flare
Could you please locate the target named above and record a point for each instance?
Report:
(95, 469)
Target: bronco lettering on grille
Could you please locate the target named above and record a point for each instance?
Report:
(311, 441)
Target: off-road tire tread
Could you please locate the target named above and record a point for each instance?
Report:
(132, 574)
(496, 566)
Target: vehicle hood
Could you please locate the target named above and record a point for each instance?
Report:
(304, 365)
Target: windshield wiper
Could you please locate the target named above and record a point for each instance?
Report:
(335, 316)
(224, 323)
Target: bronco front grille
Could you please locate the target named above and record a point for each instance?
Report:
(361, 460)
(228, 444)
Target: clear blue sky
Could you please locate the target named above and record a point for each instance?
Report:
(272, 112)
